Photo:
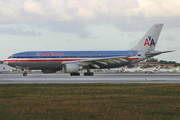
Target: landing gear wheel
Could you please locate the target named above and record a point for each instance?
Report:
(85, 74)
(91, 74)
(24, 74)
(75, 74)
(88, 74)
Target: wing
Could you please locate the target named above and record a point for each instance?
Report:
(96, 61)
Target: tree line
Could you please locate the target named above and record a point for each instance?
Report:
(156, 60)
(161, 61)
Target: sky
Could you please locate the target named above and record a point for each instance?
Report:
(30, 25)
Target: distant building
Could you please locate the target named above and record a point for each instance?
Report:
(166, 65)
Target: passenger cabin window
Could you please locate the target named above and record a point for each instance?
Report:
(99, 55)
(25, 55)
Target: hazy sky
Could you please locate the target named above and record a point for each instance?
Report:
(28, 25)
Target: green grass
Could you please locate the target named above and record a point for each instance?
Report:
(90, 101)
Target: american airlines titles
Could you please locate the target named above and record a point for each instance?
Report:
(49, 54)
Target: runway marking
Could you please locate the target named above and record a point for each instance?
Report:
(150, 80)
(98, 78)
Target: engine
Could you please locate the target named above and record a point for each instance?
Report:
(71, 68)
(48, 71)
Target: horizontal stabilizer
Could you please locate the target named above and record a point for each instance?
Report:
(153, 53)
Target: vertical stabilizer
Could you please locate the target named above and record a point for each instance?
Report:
(149, 41)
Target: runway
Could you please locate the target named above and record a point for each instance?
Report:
(97, 78)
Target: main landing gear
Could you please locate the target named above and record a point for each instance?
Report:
(88, 73)
(75, 74)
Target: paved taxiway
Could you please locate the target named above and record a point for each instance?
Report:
(97, 78)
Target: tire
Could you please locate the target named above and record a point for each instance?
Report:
(89, 74)
(85, 74)
(24, 74)
(74, 74)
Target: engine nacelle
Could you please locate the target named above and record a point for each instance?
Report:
(71, 68)
(48, 71)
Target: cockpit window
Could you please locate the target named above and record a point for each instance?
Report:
(12, 56)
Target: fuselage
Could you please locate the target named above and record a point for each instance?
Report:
(74, 61)
(52, 60)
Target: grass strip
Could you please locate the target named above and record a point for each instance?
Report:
(90, 101)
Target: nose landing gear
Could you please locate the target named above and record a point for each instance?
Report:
(25, 73)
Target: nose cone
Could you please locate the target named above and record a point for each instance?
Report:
(5, 62)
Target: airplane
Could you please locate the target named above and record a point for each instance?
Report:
(74, 61)
(130, 70)
(169, 70)
(150, 70)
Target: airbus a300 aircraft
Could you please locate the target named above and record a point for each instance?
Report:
(74, 61)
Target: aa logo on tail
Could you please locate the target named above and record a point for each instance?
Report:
(149, 41)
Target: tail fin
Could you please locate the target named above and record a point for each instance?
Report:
(177, 68)
(149, 41)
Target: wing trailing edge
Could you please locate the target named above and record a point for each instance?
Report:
(96, 61)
